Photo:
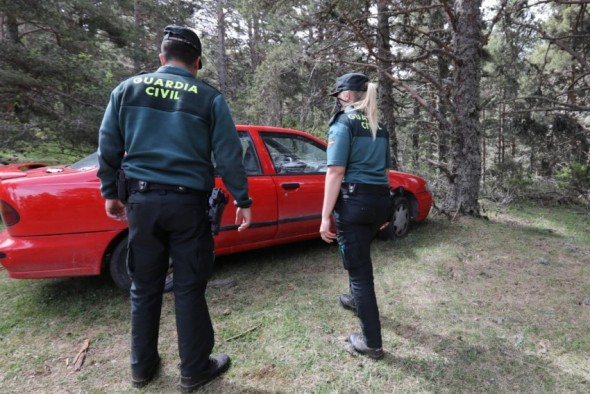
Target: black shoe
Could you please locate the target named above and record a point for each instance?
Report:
(359, 344)
(347, 302)
(217, 365)
(139, 380)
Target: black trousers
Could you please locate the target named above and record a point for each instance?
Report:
(358, 217)
(163, 225)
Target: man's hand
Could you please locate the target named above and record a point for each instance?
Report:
(115, 209)
(243, 218)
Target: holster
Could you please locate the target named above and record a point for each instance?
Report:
(217, 202)
(122, 189)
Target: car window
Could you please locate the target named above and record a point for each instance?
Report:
(249, 156)
(87, 163)
(294, 154)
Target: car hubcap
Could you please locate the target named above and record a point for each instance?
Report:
(401, 219)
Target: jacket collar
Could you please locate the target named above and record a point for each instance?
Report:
(175, 70)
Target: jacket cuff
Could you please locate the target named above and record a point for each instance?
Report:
(243, 204)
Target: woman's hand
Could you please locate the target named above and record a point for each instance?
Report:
(327, 235)
(334, 176)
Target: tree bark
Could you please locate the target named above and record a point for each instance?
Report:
(11, 29)
(441, 99)
(221, 56)
(254, 41)
(138, 23)
(386, 100)
(465, 148)
(416, 137)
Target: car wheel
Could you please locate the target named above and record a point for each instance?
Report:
(401, 217)
(399, 223)
(118, 268)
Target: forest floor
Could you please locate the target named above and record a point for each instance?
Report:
(498, 305)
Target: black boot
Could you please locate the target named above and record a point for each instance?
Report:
(140, 380)
(347, 302)
(217, 366)
(359, 343)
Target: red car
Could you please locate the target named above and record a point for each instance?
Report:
(56, 226)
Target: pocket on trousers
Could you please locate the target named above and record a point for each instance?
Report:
(353, 251)
(205, 258)
(129, 263)
(385, 210)
(204, 269)
(356, 212)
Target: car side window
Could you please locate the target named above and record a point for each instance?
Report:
(294, 154)
(249, 156)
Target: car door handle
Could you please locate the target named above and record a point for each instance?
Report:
(290, 186)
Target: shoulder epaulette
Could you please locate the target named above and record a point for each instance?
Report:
(211, 86)
(336, 118)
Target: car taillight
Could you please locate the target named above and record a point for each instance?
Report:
(9, 215)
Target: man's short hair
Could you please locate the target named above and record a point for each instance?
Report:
(182, 44)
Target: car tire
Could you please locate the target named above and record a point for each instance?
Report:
(399, 223)
(118, 268)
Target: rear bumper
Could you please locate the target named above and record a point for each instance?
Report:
(54, 256)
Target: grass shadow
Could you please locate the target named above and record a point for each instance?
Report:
(494, 365)
(90, 301)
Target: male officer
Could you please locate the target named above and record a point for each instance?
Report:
(161, 129)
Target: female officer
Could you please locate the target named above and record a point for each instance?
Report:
(357, 194)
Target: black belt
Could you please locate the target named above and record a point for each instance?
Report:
(364, 188)
(144, 186)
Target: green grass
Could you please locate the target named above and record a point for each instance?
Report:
(497, 305)
(48, 153)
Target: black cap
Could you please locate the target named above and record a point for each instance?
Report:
(184, 35)
(356, 82)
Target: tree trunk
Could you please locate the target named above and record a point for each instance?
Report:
(443, 68)
(221, 56)
(138, 23)
(483, 152)
(254, 42)
(11, 29)
(416, 137)
(465, 149)
(501, 150)
(386, 101)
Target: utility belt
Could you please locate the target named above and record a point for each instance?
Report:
(216, 198)
(133, 185)
(351, 189)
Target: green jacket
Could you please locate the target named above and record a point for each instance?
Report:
(351, 145)
(162, 127)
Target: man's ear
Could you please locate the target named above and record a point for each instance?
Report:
(162, 59)
(197, 65)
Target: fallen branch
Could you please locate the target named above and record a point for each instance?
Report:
(81, 356)
(244, 333)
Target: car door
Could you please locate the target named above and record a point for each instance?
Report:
(300, 165)
(264, 209)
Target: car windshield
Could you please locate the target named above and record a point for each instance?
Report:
(87, 163)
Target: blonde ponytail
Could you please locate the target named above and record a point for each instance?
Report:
(367, 103)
